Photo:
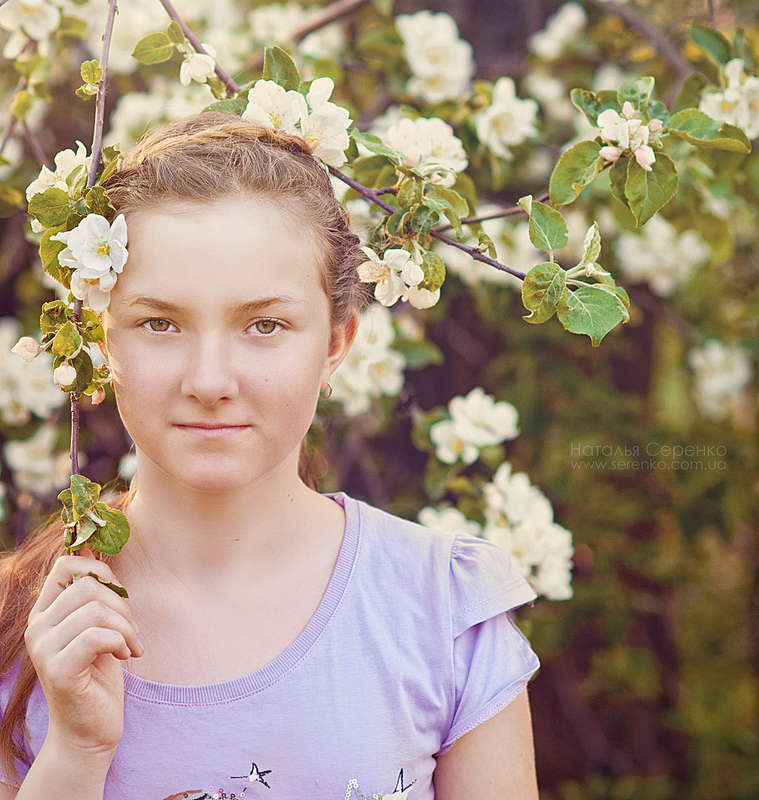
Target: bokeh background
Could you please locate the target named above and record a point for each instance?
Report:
(646, 447)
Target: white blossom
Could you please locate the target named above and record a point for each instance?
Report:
(627, 132)
(397, 276)
(28, 20)
(722, 372)
(447, 519)
(476, 421)
(273, 107)
(738, 103)
(198, 67)
(372, 368)
(96, 251)
(508, 121)
(325, 127)
(440, 61)
(25, 389)
(66, 162)
(561, 30)
(428, 146)
(551, 93)
(64, 375)
(659, 256)
(36, 467)
(519, 518)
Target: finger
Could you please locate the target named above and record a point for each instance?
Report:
(91, 615)
(77, 657)
(83, 591)
(62, 573)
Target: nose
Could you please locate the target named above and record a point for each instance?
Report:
(209, 374)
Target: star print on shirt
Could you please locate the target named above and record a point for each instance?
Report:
(256, 776)
(399, 793)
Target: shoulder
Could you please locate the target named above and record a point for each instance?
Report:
(476, 574)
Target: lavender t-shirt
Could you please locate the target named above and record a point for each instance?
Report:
(410, 647)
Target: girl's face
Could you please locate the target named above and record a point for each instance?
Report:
(219, 339)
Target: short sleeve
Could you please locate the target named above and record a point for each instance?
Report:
(492, 659)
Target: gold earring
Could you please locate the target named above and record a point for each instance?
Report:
(329, 392)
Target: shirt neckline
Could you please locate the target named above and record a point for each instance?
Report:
(236, 688)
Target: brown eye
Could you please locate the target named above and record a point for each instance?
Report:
(266, 326)
(159, 325)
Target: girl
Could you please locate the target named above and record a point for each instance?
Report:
(276, 642)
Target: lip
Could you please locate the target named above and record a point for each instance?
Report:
(212, 431)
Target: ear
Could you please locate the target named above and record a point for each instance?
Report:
(340, 343)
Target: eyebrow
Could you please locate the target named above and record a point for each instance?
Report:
(249, 307)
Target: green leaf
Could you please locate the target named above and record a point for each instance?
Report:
(72, 27)
(543, 287)
(458, 203)
(50, 207)
(92, 330)
(617, 180)
(21, 104)
(590, 310)
(376, 145)
(82, 363)
(742, 49)
(280, 68)
(591, 247)
(383, 7)
(574, 170)
(434, 272)
(67, 342)
(97, 202)
(423, 218)
(54, 316)
(91, 71)
(637, 92)
(592, 104)
(120, 590)
(395, 225)
(713, 42)
(367, 170)
(701, 130)
(486, 244)
(84, 495)
(233, 105)
(112, 536)
(174, 33)
(690, 94)
(155, 48)
(49, 252)
(548, 231)
(410, 192)
(86, 91)
(84, 529)
(465, 187)
(648, 191)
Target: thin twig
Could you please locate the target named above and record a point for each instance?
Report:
(506, 212)
(232, 86)
(36, 146)
(655, 35)
(313, 22)
(11, 124)
(371, 195)
(97, 136)
(712, 15)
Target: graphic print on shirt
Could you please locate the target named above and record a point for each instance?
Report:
(256, 775)
(401, 792)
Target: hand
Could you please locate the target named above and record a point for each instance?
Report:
(75, 636)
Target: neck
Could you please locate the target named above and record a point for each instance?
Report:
(184, 536)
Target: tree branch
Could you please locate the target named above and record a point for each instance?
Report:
(36, 146)
(506, 212)
(371, 195)
(232, 86)
(313, 22)
(655, 36)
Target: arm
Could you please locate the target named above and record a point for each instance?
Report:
(59, 773)
(494, 761)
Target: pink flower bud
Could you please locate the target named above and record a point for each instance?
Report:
(98, 396)
(655, 125)
(609, 153)
(64, 375)
(27, 348)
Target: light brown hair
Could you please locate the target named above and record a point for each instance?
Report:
(201, 158)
